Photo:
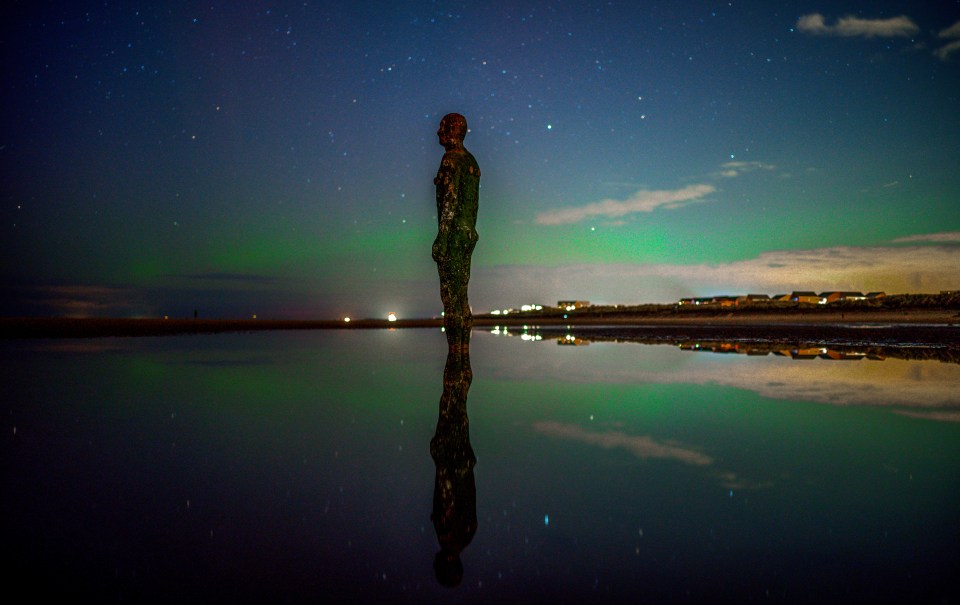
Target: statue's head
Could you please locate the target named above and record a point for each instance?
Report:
(453, 128)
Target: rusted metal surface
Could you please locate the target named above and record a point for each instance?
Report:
(458, 197)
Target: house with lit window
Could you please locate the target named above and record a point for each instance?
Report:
(831, 297)
(841, 296)
(806, 297)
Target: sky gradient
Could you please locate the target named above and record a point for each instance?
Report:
(278, 158)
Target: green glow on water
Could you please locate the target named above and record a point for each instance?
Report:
(605, 461)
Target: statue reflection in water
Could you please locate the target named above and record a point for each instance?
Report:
(454, 492)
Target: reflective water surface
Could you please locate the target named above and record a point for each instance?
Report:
(369, 466)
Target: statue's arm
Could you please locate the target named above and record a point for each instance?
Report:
(446, 200)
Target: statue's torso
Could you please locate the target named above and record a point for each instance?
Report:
(458, 189)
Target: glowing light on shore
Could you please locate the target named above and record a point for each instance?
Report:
(391, 316)
(346, 319)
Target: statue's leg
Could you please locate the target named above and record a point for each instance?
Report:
(457, 318)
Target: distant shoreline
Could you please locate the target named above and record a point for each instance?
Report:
(17, 328)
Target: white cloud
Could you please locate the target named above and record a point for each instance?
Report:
(945, 51)
(951, 32)
(901, 26)
(641, 201)
(948, 236)
(734, 169)
(893, 269)
(78, 300)
(812, 24)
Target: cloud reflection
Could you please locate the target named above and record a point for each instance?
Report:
(641, 446)
(922, 389)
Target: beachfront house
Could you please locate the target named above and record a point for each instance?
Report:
(571, 305)
(726, 301)
(806, 297)
(831, 297)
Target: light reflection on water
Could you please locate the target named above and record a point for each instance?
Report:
(835, 376)
(243, 467)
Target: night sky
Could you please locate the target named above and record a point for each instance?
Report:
(277, 159)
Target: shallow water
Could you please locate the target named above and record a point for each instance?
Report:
(297, 466)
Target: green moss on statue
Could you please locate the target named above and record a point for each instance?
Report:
(458, 197)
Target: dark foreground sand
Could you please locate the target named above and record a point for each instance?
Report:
(914, 326)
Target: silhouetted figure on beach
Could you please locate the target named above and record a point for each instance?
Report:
(458, 196)
(454, 492)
